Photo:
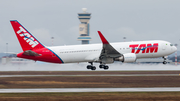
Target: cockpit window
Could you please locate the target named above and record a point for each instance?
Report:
(171, 44)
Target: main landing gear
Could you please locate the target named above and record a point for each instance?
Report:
(101, 66)
(105, 67)
(164, 62)
(91, 66)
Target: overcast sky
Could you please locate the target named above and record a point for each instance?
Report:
(133, 19)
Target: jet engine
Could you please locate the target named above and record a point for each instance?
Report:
(128, 57)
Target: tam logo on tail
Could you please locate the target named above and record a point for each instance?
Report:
(27, 37)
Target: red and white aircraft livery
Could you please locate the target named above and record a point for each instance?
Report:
(104, 53)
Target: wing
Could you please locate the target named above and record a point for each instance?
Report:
(107, 51)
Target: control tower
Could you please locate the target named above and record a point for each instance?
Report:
(84, 26)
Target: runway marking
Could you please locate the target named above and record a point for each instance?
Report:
(61, 90)
(92, 75)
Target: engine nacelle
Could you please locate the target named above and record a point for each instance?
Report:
(128, 57)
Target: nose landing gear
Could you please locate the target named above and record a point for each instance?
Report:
(164, 62)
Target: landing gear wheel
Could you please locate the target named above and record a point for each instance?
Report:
(101, 66)
(164, 62)
(106, 67)
(93, 68)
(89, 66)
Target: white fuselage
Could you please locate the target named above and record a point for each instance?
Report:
(91, 52)
(103, 53)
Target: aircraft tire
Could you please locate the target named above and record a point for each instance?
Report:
(106, 67)
(101, 66)
(164, 62)
(93, 68)
(89, 66)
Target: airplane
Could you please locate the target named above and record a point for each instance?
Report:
(103, 53)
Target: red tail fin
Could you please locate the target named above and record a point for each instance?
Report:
(26, 39)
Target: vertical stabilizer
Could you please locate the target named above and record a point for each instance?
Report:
(26, 39)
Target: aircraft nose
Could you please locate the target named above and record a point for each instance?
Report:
(174, 49)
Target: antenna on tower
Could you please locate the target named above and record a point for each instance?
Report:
(84, 10)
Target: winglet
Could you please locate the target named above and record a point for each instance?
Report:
(103, 39)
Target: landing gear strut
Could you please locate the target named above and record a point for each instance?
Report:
(164, 62)
(91, 66)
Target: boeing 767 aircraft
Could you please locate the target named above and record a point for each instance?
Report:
(103, 53)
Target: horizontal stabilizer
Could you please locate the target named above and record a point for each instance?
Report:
(31, 53)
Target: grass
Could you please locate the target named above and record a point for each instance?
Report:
(90, 82)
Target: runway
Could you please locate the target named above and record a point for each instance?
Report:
(92, 75)
(32, 82)
(63, 90)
